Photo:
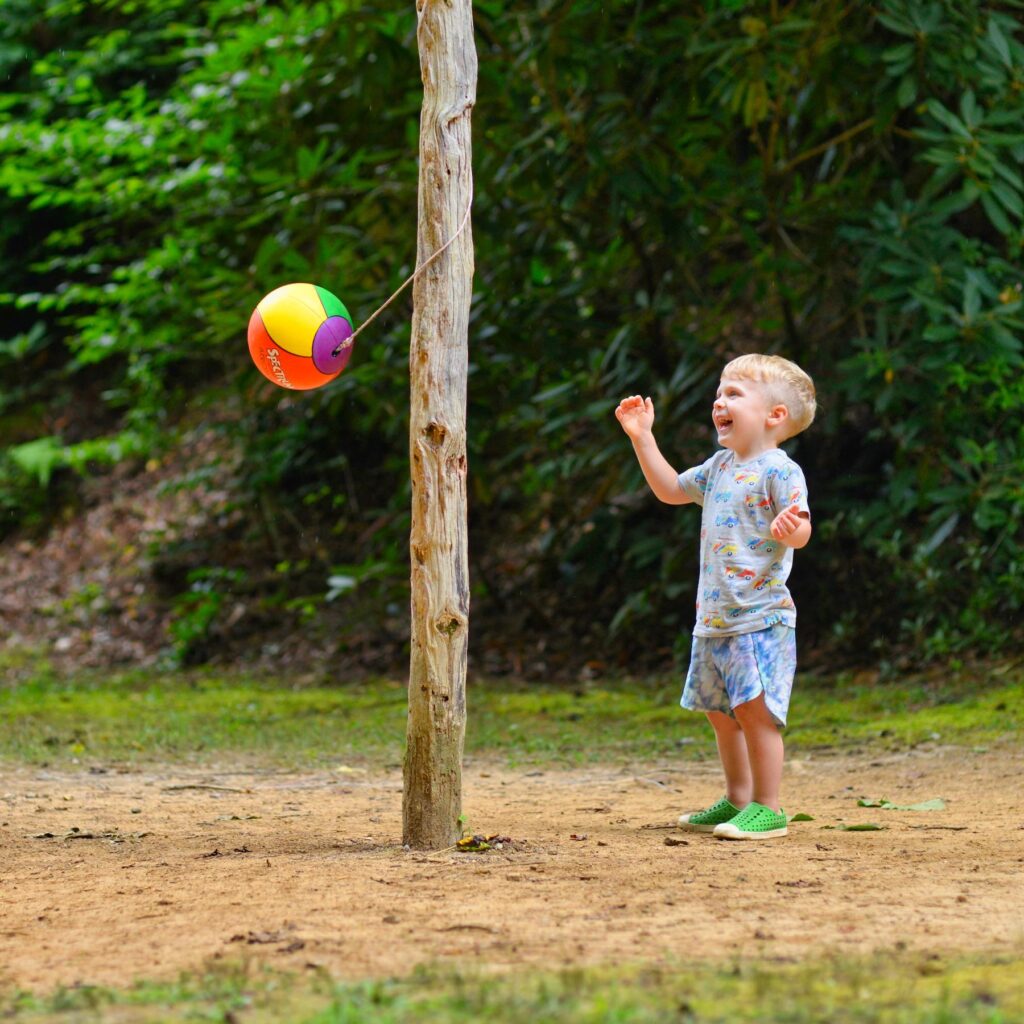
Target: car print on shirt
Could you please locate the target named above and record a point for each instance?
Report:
(738, 572)
(758, 501)
(767, 582)
(725, 548)
(723, 496)
(715, 622)
(729, 521)
(762, 545)
(744, 477)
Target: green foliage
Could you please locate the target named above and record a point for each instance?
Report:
(937, 369)
(37, 458)
(196, 612)
(657, 189)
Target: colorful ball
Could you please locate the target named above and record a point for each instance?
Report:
(294, 333)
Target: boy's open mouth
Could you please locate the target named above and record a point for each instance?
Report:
(722, 423)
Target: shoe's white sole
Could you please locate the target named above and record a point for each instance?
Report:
(684, 824)
(727, 831)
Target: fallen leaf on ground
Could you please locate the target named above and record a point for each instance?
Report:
(938, 804)
(867, 826)
(472, 844)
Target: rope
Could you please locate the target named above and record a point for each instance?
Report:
(408, 281)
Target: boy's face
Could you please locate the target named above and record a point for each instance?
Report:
(743, 416)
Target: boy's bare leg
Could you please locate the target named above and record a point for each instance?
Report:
(732, 752)
(765, 750)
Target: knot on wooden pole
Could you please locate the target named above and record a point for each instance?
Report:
(449, 624)
(435, 433)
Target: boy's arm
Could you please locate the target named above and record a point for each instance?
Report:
(636, 415)
(792, 527)
(660, 476)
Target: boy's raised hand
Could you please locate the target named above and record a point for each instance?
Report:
(636, 415)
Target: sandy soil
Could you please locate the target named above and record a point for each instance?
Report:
(109, 876)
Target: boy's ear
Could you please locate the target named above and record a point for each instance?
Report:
(777, 415)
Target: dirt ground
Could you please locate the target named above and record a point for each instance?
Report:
(107, 876)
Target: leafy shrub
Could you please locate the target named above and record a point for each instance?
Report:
(656, 190)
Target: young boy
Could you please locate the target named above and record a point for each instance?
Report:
(755, 513)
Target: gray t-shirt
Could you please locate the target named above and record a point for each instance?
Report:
(743, 568)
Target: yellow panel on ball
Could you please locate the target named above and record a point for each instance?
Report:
(292, 314)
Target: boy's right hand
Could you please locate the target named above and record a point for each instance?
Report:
(636, 415)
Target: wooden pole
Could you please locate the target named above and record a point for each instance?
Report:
(438, 363)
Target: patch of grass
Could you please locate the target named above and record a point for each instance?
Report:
(898, 989)
(973, 706)
(137, 717)
(141, 716)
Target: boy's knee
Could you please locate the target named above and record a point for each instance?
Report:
(720, 721)
(753, 711)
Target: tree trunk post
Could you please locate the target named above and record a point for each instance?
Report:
(438, 363)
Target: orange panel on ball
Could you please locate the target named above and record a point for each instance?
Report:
(286, 370)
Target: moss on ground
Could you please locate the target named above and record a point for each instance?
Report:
(141, 716)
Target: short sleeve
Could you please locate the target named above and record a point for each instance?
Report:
(694, 481)
(787, 487)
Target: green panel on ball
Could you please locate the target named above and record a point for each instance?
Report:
(333, 306)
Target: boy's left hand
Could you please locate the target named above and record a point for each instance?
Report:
(787, 522)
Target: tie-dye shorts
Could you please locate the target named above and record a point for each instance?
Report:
(730, 670)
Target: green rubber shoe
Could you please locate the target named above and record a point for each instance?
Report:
(706, 820)
(755, 821)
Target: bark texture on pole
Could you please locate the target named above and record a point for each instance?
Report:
(438, 361)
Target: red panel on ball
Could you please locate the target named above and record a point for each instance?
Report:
(299, 373)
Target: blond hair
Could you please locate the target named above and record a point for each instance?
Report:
(785, 384)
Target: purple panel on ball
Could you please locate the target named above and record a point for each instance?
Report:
(334, 331)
